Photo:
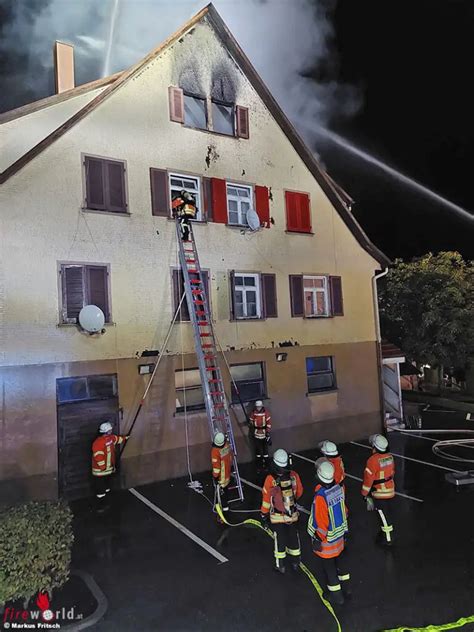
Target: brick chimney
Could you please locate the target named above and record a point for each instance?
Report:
(63, 66)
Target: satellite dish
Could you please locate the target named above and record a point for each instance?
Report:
(91, 319)
(253, 219)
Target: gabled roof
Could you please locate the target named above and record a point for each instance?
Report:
(243, 62)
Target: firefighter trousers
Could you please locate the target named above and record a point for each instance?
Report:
(287, 542)
(261, 451)
(383, 507)
(184, 225)
(335, 571)
(102, 485)
(223, 496)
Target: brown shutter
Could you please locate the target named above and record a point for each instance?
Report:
(115, 186)
(97, 293)
(95, 198)
(178, 291)
(269, 295)
(73, 292)
(242, 116)
(160, 199)
(296, 294)
(207, 199)
(337, 305)
(176, 100)
(232, 294)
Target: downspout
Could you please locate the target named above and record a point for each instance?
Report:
(378, 343)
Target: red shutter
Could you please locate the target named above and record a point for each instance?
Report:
(262, 202)
(337, 304)
(160, 200)
(97, 293)
(95, 198)
(296, 294)
(269, 296)
(207, 199)
(176, 100)
(219, 200)
(305, 213)
(291, 210)
(242, 116)
(115, 186)
(298, 213)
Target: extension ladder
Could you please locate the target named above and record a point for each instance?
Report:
(206, 350)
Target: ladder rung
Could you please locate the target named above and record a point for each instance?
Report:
(218, 405)
(203, 323)
(212, 368)
(205, 334)
(195, 281)
(217, 393)
(208, 345)
(213, 381)
(196, 302)
(197, 291)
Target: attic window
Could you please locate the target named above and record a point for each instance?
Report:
(223, 117)
(195, 111)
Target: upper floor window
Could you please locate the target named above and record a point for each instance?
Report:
(318, 295)
(298, 212)
(316, 301)
(223, 117)
(247, 302)
(191, 184)
(105, 188)
(195, 111)
(239, 200)
(83, 285)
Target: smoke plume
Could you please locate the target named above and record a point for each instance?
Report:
(286, 40)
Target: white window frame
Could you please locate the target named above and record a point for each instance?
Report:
(314, 291)
(197, 193)
(242, 220)
(243, 288)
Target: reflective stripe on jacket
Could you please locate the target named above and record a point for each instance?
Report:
(221, 462)
(378, 476)
(328, 520)
(103, 454)
(261, 421)
(275, 502)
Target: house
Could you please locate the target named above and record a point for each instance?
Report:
(86, 179)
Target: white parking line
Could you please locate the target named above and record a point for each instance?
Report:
(179, 526)
(409, 458)
(416, 436)
(356, 478)
(250, 484)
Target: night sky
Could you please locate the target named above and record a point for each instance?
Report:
(412, 62)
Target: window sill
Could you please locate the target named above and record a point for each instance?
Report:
(210, 131)
(115, 213)
(247, 320)
(317, 317)
(325, 392)
(111, 324)
(299, 232)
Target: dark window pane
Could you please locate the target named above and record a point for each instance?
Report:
(223, 118)
(95, 183)
(320, 382)
(195, 112)
(73, 291)
(246, 371)
(102, 386)
(116, 188)
(314, 365)
(98, 294)
(249, 391)
(191, 399)
(72, 389)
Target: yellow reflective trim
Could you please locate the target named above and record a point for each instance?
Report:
(100, 462)
(367, 470)
(365, 488)
(334, 588)
(293, 551)
(344, 578)
(266, 505)
(98, 452)
(279, 555)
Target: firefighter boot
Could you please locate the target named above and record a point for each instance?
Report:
(335, 597)
(346, 586)
(280, 569)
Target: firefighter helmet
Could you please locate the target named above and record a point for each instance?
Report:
(325, 471)
(328, 448)
(219, 439)
(259, 404)
(105, 427)
(280, 458)
(379, 442)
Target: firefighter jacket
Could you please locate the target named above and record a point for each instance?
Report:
(328, 520)
(339, 472)
(261, 421)
(221, 459)
(378, 476)
(279, 496)
(181, 207)
(103, 454)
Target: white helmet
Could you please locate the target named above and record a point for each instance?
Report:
(379, 442)
(259, 404)
(219, 439)
(105, 427)
(328, 448)
(325, 471)
(280, 458)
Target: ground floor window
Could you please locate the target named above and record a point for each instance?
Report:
(189, 395)
(320, 374)
(250, 381)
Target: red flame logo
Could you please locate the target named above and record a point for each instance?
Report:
(42, 601)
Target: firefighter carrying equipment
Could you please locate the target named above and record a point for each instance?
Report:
(184, 204)
(378, 476)
(379, 442)
(279, 496)
(103, 454)
(261, 422)
(328, 520)
(221, 461)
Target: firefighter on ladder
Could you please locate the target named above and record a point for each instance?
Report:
(221, 461)
(378, 487)
(327, 526)
(281, 490)
(103, 459)
(261, 425)
(184, 207)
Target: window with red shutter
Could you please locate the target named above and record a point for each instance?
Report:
(219, 200)
(262, 203)
(298, 212)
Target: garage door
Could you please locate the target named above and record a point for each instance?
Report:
(83, 403)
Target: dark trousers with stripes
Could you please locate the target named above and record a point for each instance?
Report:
(184, 225)
(383, 508)
(287, 542)
(335, 571)
(261, 451)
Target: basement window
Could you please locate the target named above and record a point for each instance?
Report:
(195, 114)
(250, 380)
(189, 395)
(321, 374)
